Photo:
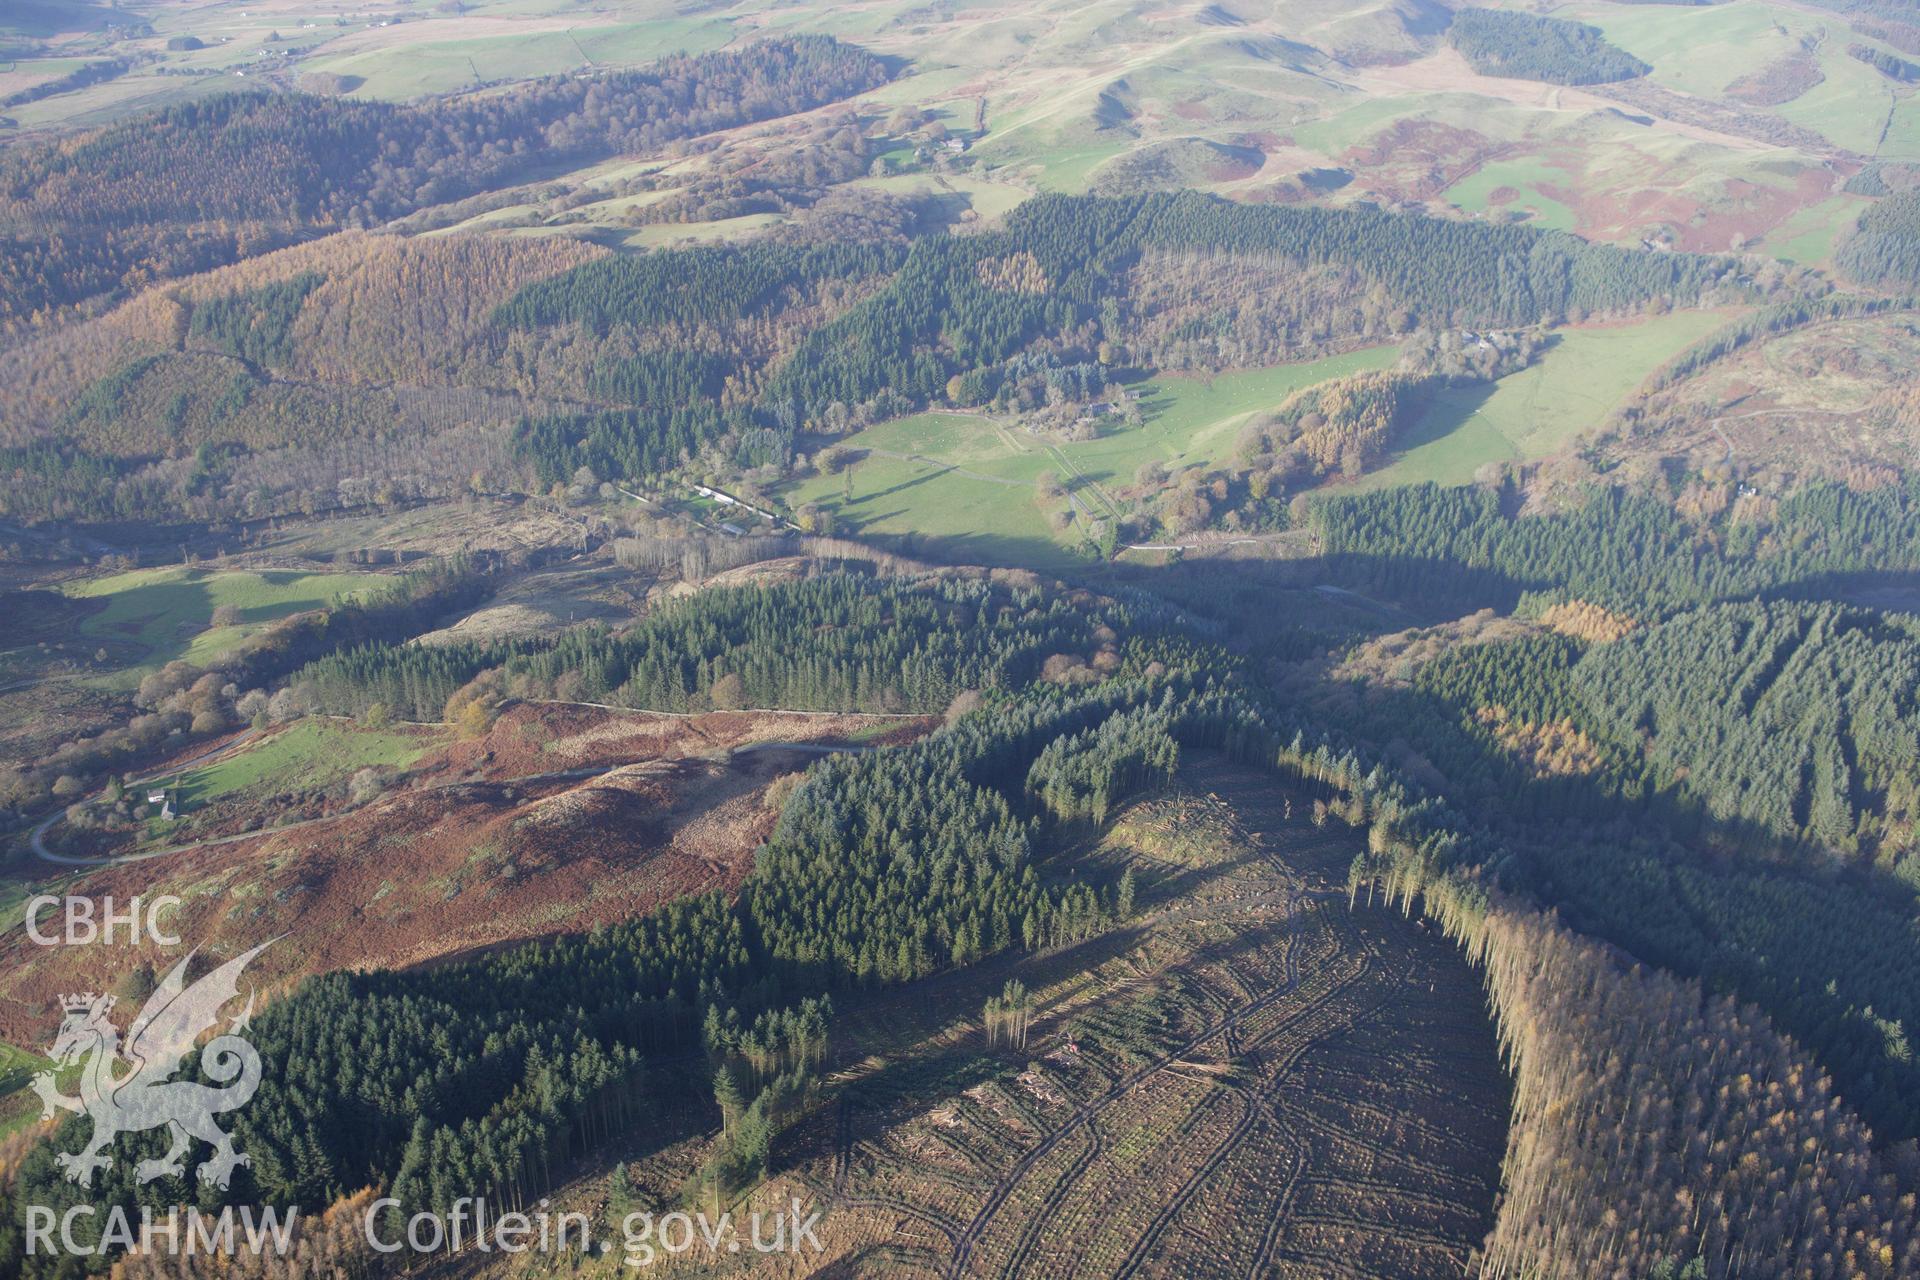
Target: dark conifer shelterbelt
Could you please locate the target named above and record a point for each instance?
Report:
(1527, 46)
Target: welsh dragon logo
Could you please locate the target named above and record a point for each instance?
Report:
(142, 1098)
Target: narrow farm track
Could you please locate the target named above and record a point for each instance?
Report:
(37, 837)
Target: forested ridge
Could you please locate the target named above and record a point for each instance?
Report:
(886, 866)
(1884, 248)
(872, 647)
(1690, 752)
(228, 176)
(1778, 736)
(1441, 270)
(1800, 718)
(381, 380)
(973, 308)
(365, 369)
(1618, 1161)
(687, 286)
(1618, 549)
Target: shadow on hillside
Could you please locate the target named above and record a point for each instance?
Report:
(1892, 592)
(1238, 594)
(1642, 862)
(1450, 409)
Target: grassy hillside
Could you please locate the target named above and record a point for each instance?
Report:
(1704, 50)
(159, 615)
(971, 480)
(1072, 96)
(310, 754)
(441, 58)
(1534, 413)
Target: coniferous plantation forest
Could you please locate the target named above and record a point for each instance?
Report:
(1081, 639)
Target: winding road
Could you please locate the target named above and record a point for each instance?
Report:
(37, 837)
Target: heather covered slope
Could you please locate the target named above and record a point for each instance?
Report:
(559, 819)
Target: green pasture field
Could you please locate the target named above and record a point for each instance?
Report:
(1902, 140)
(311, 752)
(167, 613)
(440, 66)
(1537, 411)
(1702, 49)
(970, 480)
(1809, 237)
(1526, 176)
(960, 478)
(1060, 163)
(1850, 107)
(134, 92)
(661, 235)
(990, 199)
(1699, 50)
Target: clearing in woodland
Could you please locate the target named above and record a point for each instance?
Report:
(164, 614)
(1252, 1076)
(1533, 413)
(971, 481)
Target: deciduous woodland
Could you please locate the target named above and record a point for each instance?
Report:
(213, 181)
(329, 375)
